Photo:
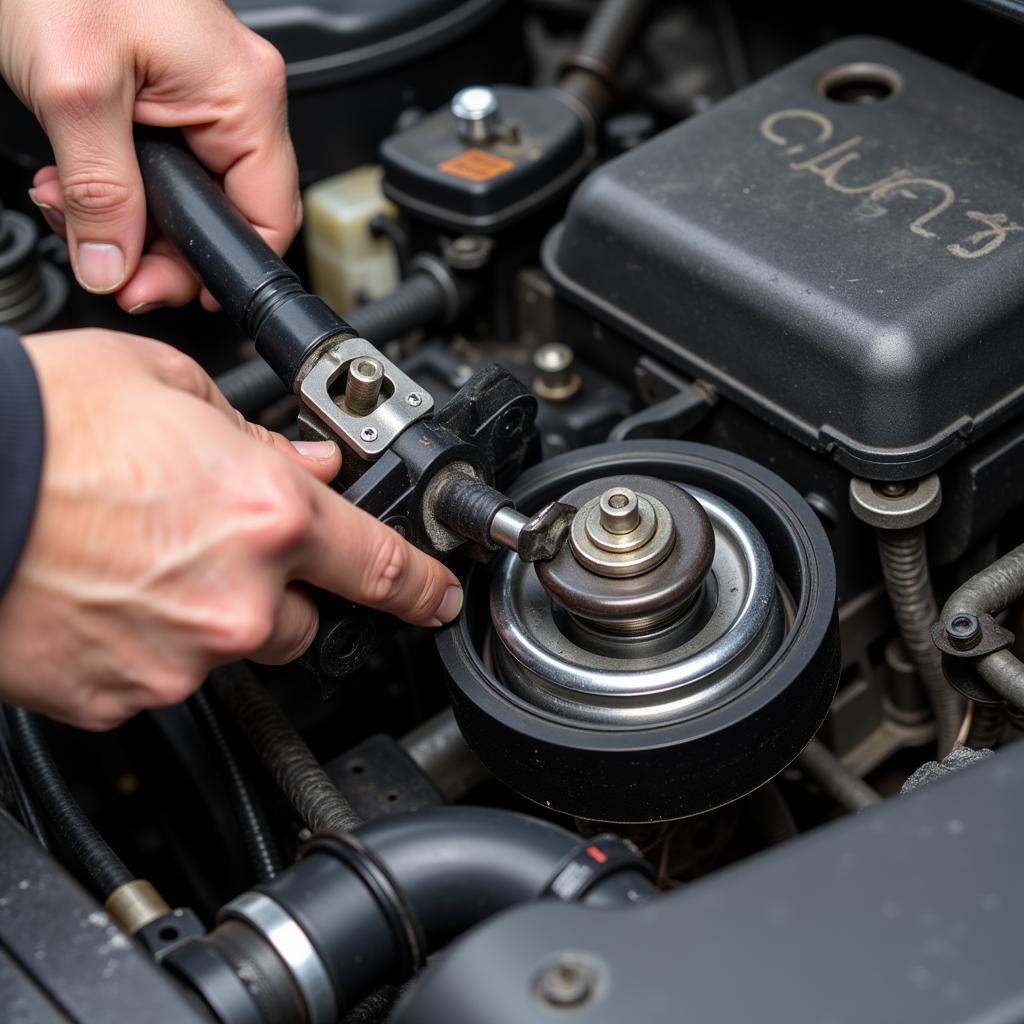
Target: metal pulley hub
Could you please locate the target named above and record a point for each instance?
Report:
(677, 653)
(639, 550)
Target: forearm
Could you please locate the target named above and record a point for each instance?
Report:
(21, 451)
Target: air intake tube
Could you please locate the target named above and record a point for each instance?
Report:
(363, 910)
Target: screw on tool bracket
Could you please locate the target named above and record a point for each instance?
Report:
(368, 434)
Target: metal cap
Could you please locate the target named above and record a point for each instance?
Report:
(475, 110)
(895, 506)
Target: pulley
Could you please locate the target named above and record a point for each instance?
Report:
(677, 652)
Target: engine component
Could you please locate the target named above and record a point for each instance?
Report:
(689, 948)
(348, 262)
(408, 884)
(821, 227)
(671, 691)
(32, 291)
(535, 152)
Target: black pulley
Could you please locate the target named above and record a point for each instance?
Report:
(719, 666)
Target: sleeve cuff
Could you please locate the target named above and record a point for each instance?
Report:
(21, 451)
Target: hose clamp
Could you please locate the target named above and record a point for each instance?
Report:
(374, 874)
(592, 862)
(292, 945)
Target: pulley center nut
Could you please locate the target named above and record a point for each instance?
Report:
(622, 533)
(638, 580)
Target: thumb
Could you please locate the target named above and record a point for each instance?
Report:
(90, 129)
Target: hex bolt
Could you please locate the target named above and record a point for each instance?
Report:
(963, 631)
(556, 378)
(565, 984)
(368, 434)
(620, 510)
(363, 384)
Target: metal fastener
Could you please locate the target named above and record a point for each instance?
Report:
(619, 510)
(363, 385)
(896, 505)
(557, 379)
(368, 434)
(414, 399)
(963, 631)
(566, 983)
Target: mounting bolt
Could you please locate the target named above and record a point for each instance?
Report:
(566, 983)
(363, 384)
(414, 399)
(368, 434)
(963, 631)
(557, 379)
(619, 510)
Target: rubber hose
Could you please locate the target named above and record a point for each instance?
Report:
(453, 868)
(817, 762)
(283, 752)
(905, 569)
(987, 593)
(418, 301)
(611, 30)
(88, 848)
(259, 843)
(607, 38)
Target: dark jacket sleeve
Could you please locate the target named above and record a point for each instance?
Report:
(21, 451)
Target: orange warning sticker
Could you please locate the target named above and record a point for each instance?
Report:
(476, 165)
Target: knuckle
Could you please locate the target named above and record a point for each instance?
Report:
(286, 514)
(270, 66)
(70, 93)
(387, 569)
(242, 630)
(94, 194)
(174, 684)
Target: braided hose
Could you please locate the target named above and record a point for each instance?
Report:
(905, 569)
(283, 752)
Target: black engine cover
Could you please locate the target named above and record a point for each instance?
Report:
(838, 247)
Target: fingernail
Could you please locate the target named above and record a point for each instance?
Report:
(450, 606)
(318, 450)
(53, 217)
(142, 307)
(100, 267)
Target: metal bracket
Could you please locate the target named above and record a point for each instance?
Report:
(990, 637)
(403, 402)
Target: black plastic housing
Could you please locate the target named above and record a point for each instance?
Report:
(837, 247)
(430, 172)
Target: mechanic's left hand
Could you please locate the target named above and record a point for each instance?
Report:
(89, 68)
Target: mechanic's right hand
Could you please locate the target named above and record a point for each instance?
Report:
(170, 534)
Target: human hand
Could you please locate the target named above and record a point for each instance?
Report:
(88, 69)
(169, 536)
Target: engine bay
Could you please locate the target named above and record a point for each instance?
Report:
(687, 335)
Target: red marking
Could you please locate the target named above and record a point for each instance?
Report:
(596, 853)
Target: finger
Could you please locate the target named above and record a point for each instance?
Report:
(322, 459)
(294, 629)
(89, 123)
(48, 200)
(351, 554)
(162, 279)
(254, 153)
